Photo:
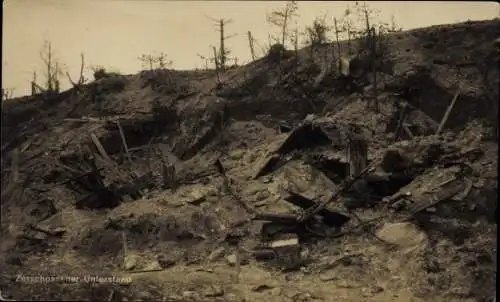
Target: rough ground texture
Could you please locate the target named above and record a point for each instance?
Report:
(183, 242)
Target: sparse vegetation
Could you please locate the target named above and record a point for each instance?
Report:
(151, 62)
(100, 72)
(277, 52)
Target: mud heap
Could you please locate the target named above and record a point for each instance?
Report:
(279, 184)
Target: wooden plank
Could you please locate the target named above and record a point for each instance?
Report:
(100, 147)
(446, 192)
(124, 141)
(448, 111)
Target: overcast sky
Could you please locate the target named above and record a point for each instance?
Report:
(114, 33)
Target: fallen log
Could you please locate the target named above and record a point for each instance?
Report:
(446, 192)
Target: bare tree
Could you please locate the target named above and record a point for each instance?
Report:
(372, 44)
(81, 79)
(217, 65)
(205, 60)
(339, 51)
(155, 61)
(162, 60)
(282, 17)
(251, 45)
(394, 27)
(317, 32)
(223, 52)
(348, 27)
(148, 61)
(52, 68)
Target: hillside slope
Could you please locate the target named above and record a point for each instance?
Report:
(204, 163)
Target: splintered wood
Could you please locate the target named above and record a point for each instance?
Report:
(99, 147)
(357, 155)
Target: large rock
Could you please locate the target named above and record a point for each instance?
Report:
(404, 235)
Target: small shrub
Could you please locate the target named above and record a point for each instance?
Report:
(278, 52)
(101, 73)
(111, 83)
(160, 80)
(114, 83)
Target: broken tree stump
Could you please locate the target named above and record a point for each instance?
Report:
(357, 155)
(168, 173)
(402, 110)
(357, 158)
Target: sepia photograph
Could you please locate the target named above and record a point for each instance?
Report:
(249, 151)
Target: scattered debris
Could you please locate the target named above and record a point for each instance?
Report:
(239, 182)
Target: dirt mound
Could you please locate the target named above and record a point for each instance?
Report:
(195, 190)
